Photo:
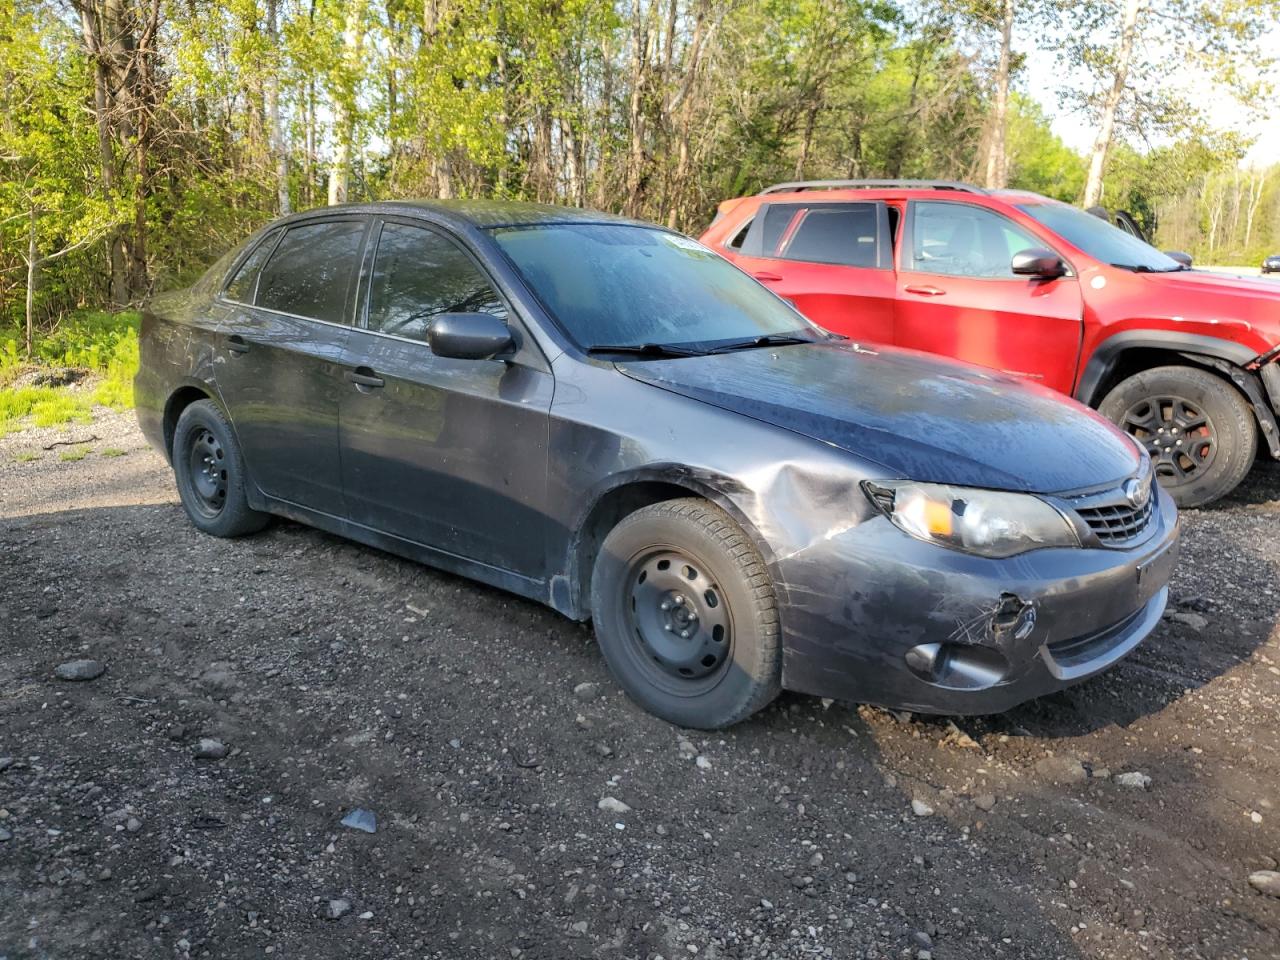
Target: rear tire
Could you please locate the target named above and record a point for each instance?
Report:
(686, 615)
(210, 473)
(1199, 430)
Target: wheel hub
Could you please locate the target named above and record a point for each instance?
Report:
(678, 616)
(1177, 433)
(208, 470)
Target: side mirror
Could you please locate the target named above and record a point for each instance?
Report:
(1180, 257)
(468, 336)
(1038, 262)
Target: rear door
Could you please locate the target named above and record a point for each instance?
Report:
(284, 336)
(444, 452)
(833, 260)
(958, 296)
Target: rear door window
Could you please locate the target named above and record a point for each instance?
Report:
(844, 234)
(310, 272)
(418, 275)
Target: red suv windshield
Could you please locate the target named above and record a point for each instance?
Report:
(1100, 239)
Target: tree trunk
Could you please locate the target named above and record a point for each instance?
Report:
(997, 162)
(95, 46)
(1133, 11)
(273, 116)
(33, 265)
(343, 118)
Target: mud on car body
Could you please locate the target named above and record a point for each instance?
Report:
(608, 418)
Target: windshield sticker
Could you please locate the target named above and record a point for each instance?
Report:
(684, 243)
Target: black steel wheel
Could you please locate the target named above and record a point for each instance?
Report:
(1198, 429)
(686, 615)
(207, 463)
(210, 472)
(680, 620)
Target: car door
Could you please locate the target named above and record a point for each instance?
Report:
(280, 376)
(833, 260)
(958, 296)
(447, 453)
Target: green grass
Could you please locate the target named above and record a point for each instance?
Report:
(105, 343)
(112, 452)
(79, 453)
(26, 456)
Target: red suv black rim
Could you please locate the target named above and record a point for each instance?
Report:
(1176, 432)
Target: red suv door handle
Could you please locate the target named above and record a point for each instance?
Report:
(925, 291)
(767, 277)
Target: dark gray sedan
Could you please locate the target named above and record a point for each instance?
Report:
(609, 418)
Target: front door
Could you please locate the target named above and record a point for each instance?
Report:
(447, 453)
(957, 295)
(283, 340)
(833, 260)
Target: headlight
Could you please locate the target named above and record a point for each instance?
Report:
(989, 523)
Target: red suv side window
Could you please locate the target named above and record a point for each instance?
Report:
(844, 234)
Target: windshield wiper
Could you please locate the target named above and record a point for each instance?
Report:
(768, 340)
(646, 349)
(1143, 268)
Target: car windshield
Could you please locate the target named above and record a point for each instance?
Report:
(640, 288)
(1100, 239)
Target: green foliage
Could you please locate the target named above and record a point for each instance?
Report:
(104, 343)
(74, 454)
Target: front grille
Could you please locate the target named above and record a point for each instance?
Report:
(1118, 522)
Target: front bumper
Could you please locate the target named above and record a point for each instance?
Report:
(875, 616)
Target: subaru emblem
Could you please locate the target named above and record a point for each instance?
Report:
(1136, 491)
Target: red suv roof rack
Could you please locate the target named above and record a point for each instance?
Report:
(799, 185)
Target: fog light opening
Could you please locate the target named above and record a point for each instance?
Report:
(955, 666)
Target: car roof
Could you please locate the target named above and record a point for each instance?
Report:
(836, 194)
(475, 214)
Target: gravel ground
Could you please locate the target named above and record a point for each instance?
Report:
(525, 808)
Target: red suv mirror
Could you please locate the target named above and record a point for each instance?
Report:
(1038, 262)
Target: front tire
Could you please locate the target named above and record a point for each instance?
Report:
(1198, 429)
(210, 473)
(686, 615)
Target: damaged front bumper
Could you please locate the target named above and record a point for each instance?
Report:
(875, 616)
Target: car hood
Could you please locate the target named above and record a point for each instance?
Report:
(1220, 283)
(916, 415)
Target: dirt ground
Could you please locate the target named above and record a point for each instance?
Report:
(338, 677)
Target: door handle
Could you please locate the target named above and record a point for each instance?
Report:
(925, 290)
(236, 344)
(364, 377)
(766, 277)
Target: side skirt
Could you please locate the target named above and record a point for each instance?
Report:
(527, 587)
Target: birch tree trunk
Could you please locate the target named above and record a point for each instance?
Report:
(1133, 11)
(344, 106)
(273, 117)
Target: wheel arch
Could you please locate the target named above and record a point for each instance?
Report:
(1125, 354)
(182, 396)
(623, 495)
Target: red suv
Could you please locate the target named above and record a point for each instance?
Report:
(1185, 361)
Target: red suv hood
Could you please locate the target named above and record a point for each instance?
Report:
(1197, 295)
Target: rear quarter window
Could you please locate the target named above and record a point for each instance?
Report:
(244, 282)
